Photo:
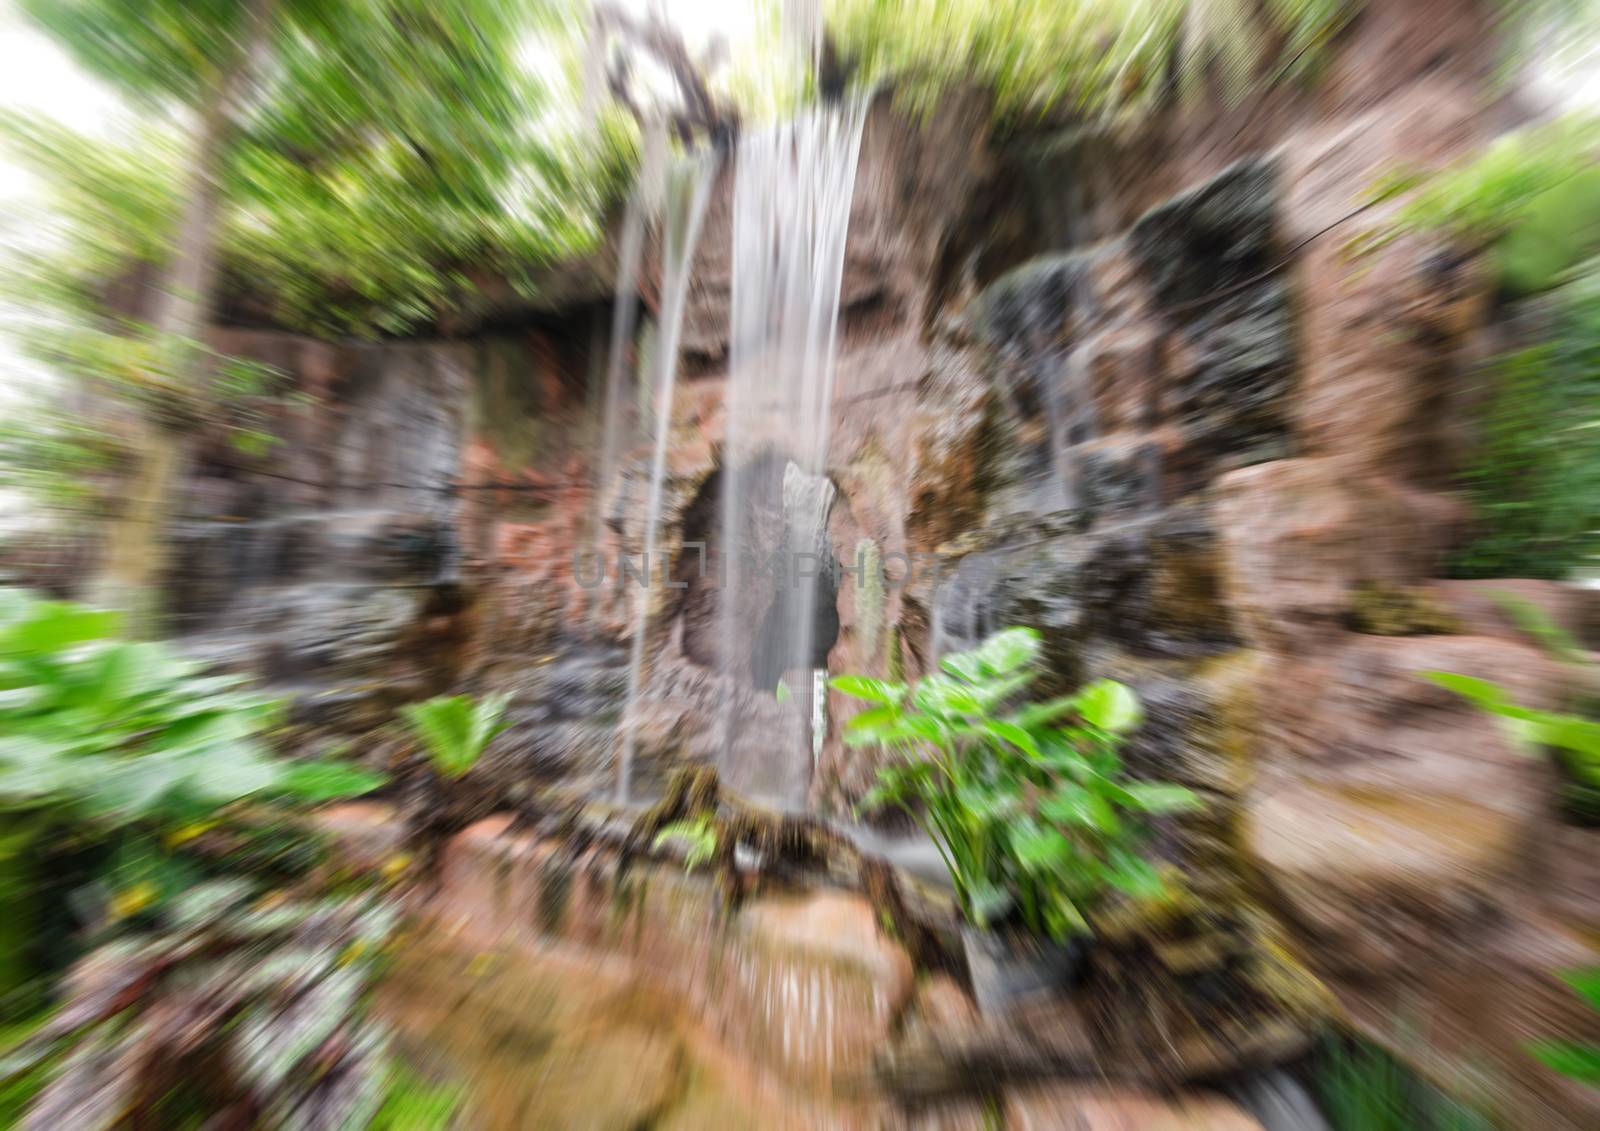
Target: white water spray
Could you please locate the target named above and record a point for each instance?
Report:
(791, 211)
(688, 188)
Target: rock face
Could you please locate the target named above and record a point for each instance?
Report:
(1154, 408)
(805, 984)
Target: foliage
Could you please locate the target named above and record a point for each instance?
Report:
(130, 755)
(232, 1011)
(1535, 478)
(1575, 737)
(457, 728)
(698, 837)
(1571, 1058)
(1028, 806)
(1086, 56)
(415, 1104)
(394, 152)
(1530, 195)
(1363, 1088)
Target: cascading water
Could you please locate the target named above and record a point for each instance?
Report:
(687, 189)
(791, 211)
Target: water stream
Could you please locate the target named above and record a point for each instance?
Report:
(688, 188)
(791, 213)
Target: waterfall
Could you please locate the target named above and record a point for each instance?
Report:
(688, 187)
(624, 318)
(792, 195)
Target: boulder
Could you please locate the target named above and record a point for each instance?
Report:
(1299, 536)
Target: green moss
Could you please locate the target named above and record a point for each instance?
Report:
(1399, 610)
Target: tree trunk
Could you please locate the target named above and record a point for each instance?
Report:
(135, 560)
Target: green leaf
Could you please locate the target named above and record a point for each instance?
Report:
(865, 687)
(1489, 696)
(1133, 875)
(1013, 734)
(1579, 1062)
(963, 665)
(456, 729)
(317, 782)
(1039, 848)
(1586, 982)
(1161, 797)
(781, 693)
(1007, 651)
(1075, 805)
(1037, 714)
(1111, 706)
(871, 720)
(942, 695)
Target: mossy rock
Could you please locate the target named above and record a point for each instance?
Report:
(1399, 610)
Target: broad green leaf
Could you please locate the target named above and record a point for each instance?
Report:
(942, 695)
(1013, 734)
(1039, 848)
(1037, 714)
(1074, 805)
(1489, 696)
(1111, 706)
(1007, 651)
(316, 782)
(871, 720)
(865, 687)
(963, 665)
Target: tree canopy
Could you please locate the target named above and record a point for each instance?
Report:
(389, 147)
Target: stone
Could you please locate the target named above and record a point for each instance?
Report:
(1088, 1108)
(1493, 607)
(1298, 537)
(1208, 256)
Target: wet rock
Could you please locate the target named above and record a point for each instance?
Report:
(1087, 1108)
(808, 985)
(1208, 255)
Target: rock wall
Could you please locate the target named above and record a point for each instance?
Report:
(1131, 390)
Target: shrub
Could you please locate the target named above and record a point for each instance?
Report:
(1535, 479)
(1028, 806)
(230, 1013)
(125, 758)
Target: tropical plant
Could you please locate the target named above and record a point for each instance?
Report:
(1364, 1088)
(456, 728)
(1580, 1061)
(128, 760)
(230, 1011)
(1028, 805)
(698, 837)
